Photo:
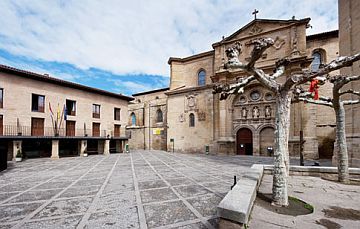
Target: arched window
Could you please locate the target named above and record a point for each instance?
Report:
(317, 61)
(133, 119)
(191, 120)
(201, 78)
(159, 116)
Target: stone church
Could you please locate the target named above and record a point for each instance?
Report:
(188, 117)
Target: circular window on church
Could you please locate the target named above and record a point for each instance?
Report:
(255, 95)
(268, 96)
(242, 99)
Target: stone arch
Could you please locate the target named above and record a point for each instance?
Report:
(267, 137)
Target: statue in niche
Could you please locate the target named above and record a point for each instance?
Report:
(267, 111)
(256, 112)
(244, 113)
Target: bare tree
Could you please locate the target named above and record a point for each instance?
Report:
(283, 92)
(338, 105)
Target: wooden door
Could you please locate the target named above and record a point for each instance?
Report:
(117, 130)
(70, 128)
(1, 125)
(37, 127)
(244, 142)
(96, 129)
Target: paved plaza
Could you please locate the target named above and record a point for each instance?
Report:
(143, 189)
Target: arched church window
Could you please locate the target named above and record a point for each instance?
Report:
(317, 61)
(191, 120)
(133, 119)
(159, 116)
(201, 78)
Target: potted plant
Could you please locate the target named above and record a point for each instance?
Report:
(19, 156)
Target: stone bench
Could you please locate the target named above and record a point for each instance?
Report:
(234, 210)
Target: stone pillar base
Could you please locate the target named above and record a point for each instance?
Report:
(82, 147)
(55, 149)
(107, 147)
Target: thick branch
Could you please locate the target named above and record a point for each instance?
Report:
(318, 102)
(225, 89)
(350, 91)
(349, 102)
(311, 96)
(260, 45)
(332, 66)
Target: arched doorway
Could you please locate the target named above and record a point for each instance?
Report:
(267, 141)
(244, 141)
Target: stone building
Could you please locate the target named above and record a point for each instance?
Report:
(243, 124)
(87, 119)
(349, 43)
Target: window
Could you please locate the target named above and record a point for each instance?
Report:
(70, 107)
(201, 78)
(159, 116)
(315, 65)
(37, 103)
(191, 120)
(117, 114)
(1, 97)
(133, 119)
(96, 111)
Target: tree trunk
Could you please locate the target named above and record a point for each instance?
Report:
(281, 154)
(342, 154)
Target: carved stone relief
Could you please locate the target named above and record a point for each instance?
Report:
(181, 117)
(278, 43)
(255, 30)
(190, 103)
(201, 116)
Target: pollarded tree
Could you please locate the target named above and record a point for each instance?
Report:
(338, 105)
(283, 94)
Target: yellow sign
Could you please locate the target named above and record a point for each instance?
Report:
(157, 131)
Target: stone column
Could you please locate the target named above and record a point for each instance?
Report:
(17, 145)
(55, 149)
(107, 147)
(82, 147)
(118, 147)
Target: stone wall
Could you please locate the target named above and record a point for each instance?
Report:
(349, 33)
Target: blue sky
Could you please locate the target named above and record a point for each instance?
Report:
(123, 46)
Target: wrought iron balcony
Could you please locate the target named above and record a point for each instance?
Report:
(27, 131)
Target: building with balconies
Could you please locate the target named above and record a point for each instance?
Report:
(43, 116)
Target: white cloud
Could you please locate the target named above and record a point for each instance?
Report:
(130, 37)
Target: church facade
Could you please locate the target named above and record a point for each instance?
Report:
(188, 117)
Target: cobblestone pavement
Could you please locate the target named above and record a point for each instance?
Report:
(143, 189)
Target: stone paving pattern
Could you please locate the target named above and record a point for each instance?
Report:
(143, 189)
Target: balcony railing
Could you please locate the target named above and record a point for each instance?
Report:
(13, 130)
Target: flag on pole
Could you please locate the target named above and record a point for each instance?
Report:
(52, 113)
(58, 113)
(65, 112)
